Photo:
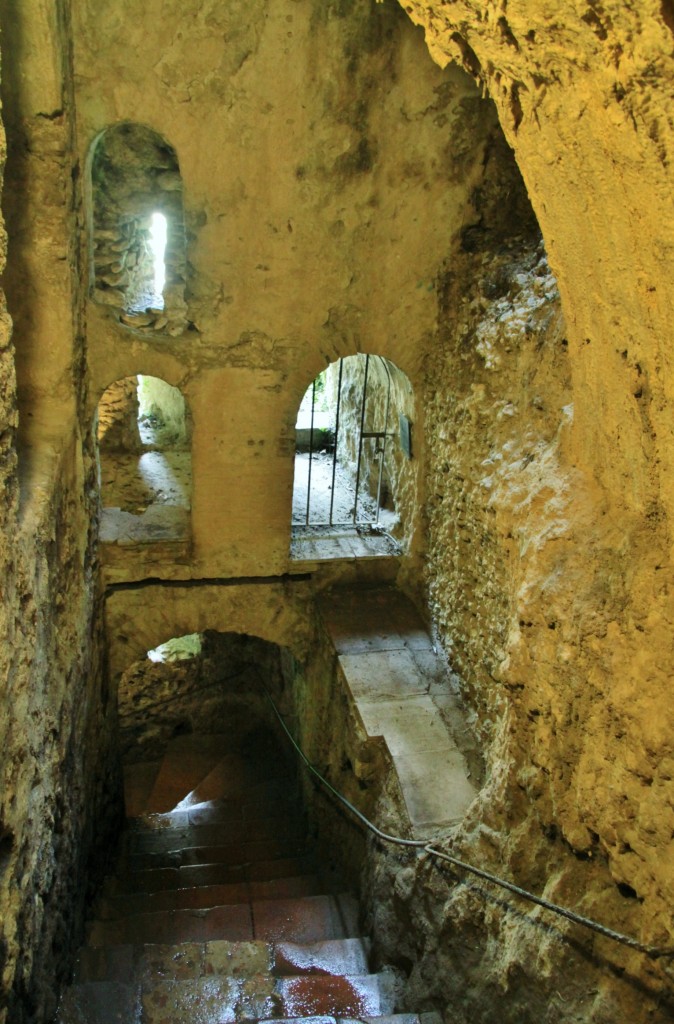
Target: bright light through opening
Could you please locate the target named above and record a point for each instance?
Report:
(158, 230)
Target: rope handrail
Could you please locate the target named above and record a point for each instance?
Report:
(652, 952)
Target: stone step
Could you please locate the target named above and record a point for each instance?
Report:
(159, 879)
(337, 995)
(160, 961)
(302, 919)
(215, 834)
(205, 896)
(331, 956)
(112, 908)
(229, 854)
(222, 999)
(233, 923)
(147, 963)
(269, 799)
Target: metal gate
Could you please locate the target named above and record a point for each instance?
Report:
(347, 486)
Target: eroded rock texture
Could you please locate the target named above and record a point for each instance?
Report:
(57, 781)
(343, 194)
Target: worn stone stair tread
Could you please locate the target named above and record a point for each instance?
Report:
(307, 919)
(213, 1000)
(158, 879)
(232, 922)
(203, 897)
(100, 1002)
(388, 1018)
(214, 834)
(328, 956)
(337, 995)
(230, 854)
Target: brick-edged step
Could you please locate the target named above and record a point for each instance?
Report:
(233, 923)
(213, 834)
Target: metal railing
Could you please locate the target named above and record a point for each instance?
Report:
(652, 952)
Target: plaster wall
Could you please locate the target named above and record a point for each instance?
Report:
(319, 203)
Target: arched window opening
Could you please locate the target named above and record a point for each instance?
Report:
(138, 230)
(158, 236)
(354, 478)
(145, 462)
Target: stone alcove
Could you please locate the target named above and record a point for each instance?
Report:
(143, 433)
(138, 232)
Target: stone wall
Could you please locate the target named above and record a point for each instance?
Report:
(217, 690)
(548, 507)
(318, 207)
(58, 784)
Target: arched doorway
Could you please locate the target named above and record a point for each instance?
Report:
(354, 472)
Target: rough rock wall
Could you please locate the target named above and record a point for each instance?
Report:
(549, 505)
(55, 730)
(117, 428)
(217, 690)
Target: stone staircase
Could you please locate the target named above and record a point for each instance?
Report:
(219, 911)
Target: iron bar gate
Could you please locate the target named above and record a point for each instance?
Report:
(356, 517)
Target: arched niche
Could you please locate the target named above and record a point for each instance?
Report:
(354, 490)
(138, 232)
(143, 434)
